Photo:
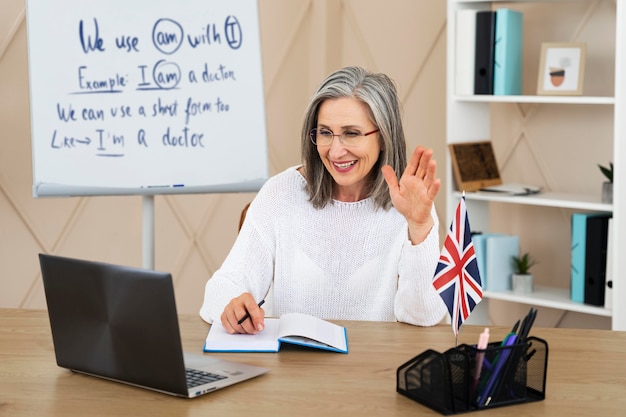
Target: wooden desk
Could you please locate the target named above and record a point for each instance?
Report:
(586, 376)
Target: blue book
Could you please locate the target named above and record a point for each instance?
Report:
(480, 248)
(579, 237)
(507, 66)
(499, 263)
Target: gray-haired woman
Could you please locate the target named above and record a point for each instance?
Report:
(351, 234)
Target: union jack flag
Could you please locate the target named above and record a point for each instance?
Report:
(457, 279)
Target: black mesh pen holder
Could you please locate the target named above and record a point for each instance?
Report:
(453, 382)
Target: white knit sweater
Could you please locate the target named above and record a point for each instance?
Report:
(346, 261)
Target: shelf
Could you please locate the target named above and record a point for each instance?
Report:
(486, 98)
(545, 199)
(507, 118)
(549, 297)
(514, 1)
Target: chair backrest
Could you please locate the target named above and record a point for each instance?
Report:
(243, 215)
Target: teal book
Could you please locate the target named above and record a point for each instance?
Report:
(499, 263)
(579, 238)
(480, 249)
(507, 67)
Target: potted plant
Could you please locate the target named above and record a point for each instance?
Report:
(607, 186)
(522, 279)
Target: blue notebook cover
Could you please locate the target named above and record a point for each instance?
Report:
(499, 265)
(507, 68)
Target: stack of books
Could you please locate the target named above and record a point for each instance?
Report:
(489, 52)
(591, 259)
(494, 252)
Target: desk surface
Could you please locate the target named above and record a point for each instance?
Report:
(586, 375)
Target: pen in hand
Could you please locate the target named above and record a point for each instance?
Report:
(247, 315)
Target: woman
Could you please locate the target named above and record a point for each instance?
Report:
(349, 234)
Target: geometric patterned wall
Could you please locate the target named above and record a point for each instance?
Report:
(302, 41)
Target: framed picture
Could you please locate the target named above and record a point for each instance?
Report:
(562, 68)
(474, 165)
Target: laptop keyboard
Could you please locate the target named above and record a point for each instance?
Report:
(196, 377)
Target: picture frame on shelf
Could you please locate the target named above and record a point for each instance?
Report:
(474, 165)
(562, 68)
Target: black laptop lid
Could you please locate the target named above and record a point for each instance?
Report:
(114, 321)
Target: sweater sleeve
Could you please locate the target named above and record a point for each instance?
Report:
(247, 268)
(417, 302)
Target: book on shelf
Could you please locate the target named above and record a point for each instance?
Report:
(577, 275)
(589, 257)
(507, 61)
(494, 252)
(499, 263)
(484, 53)
(497, 52)
(595, 259)
(480, 249)
(294, 328)
(608, 289)
(465, 51)
(513, 189)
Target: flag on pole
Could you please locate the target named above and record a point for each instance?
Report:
(457, 279)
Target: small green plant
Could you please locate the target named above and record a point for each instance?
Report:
(607, 171)
(522, 264)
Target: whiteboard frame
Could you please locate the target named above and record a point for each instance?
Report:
(256, 149)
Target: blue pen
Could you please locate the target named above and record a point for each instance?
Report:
(485, 396)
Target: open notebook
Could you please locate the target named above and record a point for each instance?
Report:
(294, 328)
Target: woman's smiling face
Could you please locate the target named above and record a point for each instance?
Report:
(350, 166)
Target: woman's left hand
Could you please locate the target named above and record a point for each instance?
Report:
(414, 194)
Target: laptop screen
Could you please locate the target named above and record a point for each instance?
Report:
(114, 321)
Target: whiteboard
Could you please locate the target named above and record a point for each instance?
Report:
(145, 97)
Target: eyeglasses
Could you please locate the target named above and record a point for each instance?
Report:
(324, 137)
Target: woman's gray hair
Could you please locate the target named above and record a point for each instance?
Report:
(378, 91)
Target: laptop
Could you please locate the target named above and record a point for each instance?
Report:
(120, 323)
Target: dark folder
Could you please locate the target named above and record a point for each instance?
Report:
(595, 259)
(485, 46)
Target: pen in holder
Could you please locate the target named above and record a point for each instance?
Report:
(511, 373)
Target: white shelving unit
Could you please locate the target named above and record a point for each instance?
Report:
(468, 120)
